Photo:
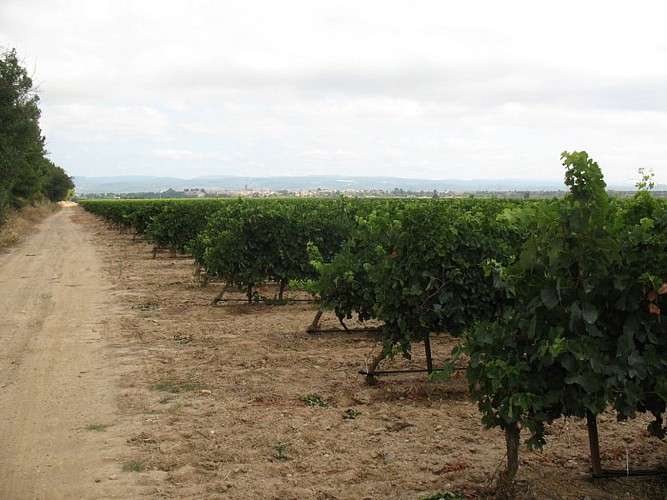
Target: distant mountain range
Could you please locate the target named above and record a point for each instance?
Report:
(138, 184)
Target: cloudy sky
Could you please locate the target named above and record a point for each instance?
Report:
(429, 89)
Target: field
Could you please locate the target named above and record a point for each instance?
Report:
(238, 401)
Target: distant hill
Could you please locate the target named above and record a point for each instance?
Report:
(136, 184)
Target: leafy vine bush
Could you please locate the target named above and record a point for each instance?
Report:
(342, 282)
(426, 274)
(126, 214)
(416, 266)
(178, 223)
(249, 242)
(585, 323)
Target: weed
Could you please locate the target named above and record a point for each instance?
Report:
(191, 387)
(276, 301)
(134, 466)
(175, 407)
(165, 386)
(149, 305)
(174, 388)
(315, 400)
(281, 450)
(97, 427)
(183, 339)
(447, 495)
(351, 414)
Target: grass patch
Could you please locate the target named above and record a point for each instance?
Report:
(175, 407)
(97, 427)
(281, 450)
(19, 223)
(191, 387)
(351, 414)
(149, 305)
(315, 400)
(165, 386)
(134, 466)
(174, 388)
(447, 495)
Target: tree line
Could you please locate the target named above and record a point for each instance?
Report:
(27, 175)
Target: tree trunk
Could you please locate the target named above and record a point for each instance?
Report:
(340, 320)
(505, 487)
(218, 297)
(199, 273)
(370, 378)
(316, 322)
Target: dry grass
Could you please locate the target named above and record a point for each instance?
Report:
(21, 223)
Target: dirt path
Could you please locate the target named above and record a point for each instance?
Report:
(58, 387)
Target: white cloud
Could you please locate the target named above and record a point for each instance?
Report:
(105, 124)
(174, 154)
(397, 87)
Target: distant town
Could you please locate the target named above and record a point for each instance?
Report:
(335, 193)
(326, 187)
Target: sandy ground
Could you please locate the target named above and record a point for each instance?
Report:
(237, 401)
(58, 380)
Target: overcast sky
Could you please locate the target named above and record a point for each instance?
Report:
(429, 89)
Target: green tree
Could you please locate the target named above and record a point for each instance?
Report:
(25, 172)
(58, 185)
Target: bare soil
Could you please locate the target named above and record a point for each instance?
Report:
(59, 374)
(237, 400)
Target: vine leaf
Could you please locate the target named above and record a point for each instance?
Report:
(549, 297)
(590, 314)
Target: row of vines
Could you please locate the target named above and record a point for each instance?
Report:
(560, 304)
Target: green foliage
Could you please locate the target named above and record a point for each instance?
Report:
(351, 414)
(584, 326)
(25, 172)
(281, 450)
(415, 265)
(446, 495)
(342, 283)
(178, 222)
(315, 400)
(126, 214)
(134, 466)
(58, 185)
(97, 427)
(249, 242)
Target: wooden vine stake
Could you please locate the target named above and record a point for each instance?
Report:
(594, 443)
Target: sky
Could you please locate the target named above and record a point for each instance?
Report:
(418, 89)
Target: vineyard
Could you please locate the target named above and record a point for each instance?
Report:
(556, 307)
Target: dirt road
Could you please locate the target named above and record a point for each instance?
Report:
(58, 420)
